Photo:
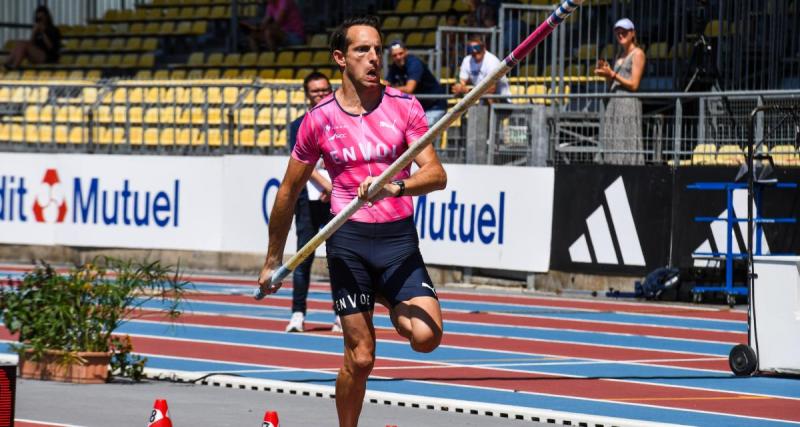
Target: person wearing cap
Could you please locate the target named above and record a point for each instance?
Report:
(621, 132)
(476, 66)
(409, 74)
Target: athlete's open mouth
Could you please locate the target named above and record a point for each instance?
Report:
(372, 74)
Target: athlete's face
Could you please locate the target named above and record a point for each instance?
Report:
(362, 61)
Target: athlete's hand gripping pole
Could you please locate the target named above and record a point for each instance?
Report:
(521, 51)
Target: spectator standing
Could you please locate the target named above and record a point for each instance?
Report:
(44, 44)
(477, 66)
(409, 74)
(621, 132)
(309, 215)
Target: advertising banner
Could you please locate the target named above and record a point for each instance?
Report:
(489, 216)
(110, 201)
(611, 219)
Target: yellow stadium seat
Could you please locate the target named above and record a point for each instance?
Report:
(327, 72)
(272, 137)
(248, 60)
(302, 58)
(265, 59)
(428, 21)
(394, 36)
(321, 57)
(219, 12)
(102, 44)
(245, 138)
(230, 74)
(245, 116)
(415, 39)
(430, 39)
(391, 23)
(423, 6)
(730, 155)
(114, 60)
(133, 43)
(409, 23)
(461, 6)
(443, 5)
(157, 115)
(93, 75)
(129, 60)
(716, 29)
(303, 72)
(212, 73)
(214, 59)
(285, 58)
(177, 74)
(168, 28)
(136, 28)
(199, 28)
(285, 74)
(232, 60)
(150, 44)
(658, 51)
(319, 40)
(266, 74)
(144, 75)
(785, 155)
(148, 60)
(86, 44)
(135, 136)
(153, 28)
(404, 6)
(704, 154)
(195, 74)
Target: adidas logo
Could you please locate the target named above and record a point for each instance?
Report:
(718, 241)
(614, 241)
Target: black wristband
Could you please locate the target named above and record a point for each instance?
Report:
(400, 183)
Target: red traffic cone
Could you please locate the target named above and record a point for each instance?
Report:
(270, 419)
(160, 415)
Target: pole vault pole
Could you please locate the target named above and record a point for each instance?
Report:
(540, 33)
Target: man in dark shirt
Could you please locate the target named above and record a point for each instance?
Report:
(409, 74)
(310, 215)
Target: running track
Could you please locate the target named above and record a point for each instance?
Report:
(649, 362)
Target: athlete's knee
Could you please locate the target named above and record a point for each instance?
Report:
(361, 361)
(425, 340)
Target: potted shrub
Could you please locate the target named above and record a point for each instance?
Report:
(66, 321)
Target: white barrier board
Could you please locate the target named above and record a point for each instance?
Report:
(489, 216)
(775, 316)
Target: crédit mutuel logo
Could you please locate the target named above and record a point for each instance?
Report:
(50, 204)
(88, 200)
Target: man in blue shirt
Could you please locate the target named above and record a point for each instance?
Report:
(409, 74)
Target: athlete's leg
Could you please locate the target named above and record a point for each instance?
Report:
(359, 358)
(420, 321)
(301, 277)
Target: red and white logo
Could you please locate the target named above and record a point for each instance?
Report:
(50, 204)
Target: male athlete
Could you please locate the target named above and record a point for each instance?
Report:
(359, 131)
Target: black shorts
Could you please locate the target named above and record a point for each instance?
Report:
(369, 258)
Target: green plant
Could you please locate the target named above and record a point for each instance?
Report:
(123, 362)
(80, 310)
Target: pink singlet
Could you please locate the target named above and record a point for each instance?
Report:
(354, 147)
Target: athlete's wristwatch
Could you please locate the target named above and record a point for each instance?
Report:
(402, 184)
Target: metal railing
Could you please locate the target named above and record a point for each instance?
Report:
(219, 117)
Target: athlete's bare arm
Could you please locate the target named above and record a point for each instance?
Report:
(428, 178)
(280, 220)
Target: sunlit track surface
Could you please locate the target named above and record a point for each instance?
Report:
(649, 362)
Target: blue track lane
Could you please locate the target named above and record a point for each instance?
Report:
(647, 374)
(578, 337)
(551, 312)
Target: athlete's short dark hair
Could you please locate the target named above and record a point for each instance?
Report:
(339, 39)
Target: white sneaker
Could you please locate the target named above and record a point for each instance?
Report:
(337, 325)
(296, 322)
